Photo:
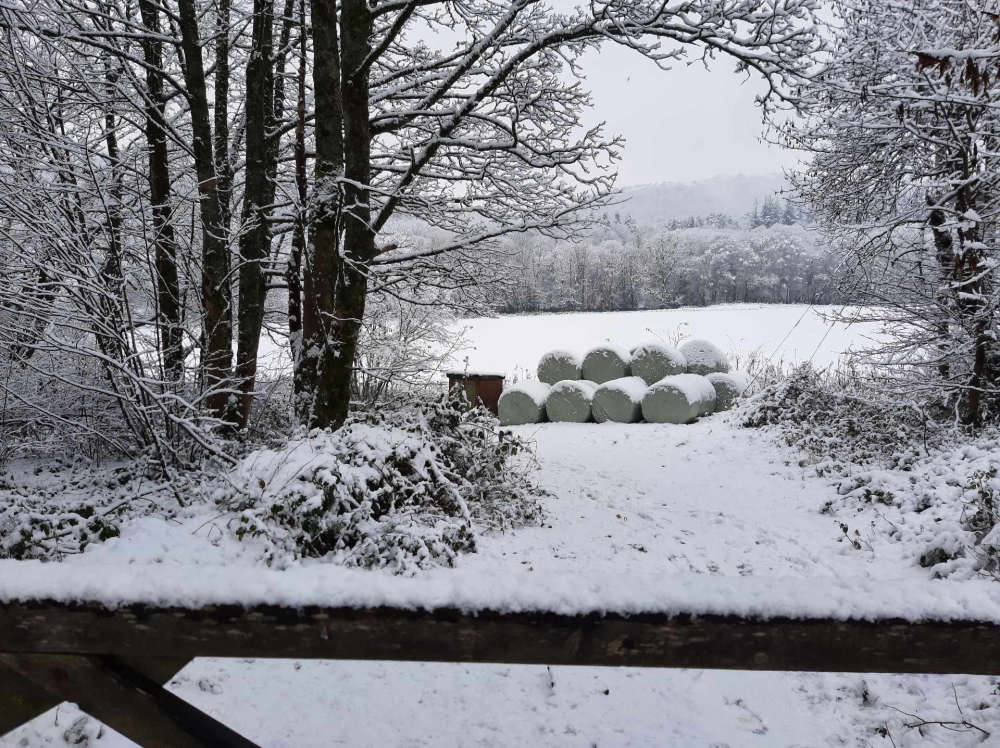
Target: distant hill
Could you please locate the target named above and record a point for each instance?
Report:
(730, 194)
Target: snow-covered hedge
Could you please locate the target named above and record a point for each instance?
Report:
(556, 366)
(404, 491)
(570, 401)
(619, 400)
(653, 362)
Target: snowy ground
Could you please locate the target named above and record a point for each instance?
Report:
(634, 502)
(512, 344)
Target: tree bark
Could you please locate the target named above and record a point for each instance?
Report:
(217, 353)
(294, 271)
(168, 312)
(258, 196)
(314, 403)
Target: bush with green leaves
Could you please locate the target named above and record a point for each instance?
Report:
(405, 489)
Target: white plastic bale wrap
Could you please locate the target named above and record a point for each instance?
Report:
(523, 403)
(569, 401)
(620, 400)
(604, 363)
(556, 366)
(703, 357)
(654, 361)
(681, 398)
(728, 387)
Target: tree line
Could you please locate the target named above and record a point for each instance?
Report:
(627, 267)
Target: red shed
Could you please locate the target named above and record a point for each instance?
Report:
(478, 387)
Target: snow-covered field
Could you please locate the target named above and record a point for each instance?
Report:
(641, 507)
(789, 333)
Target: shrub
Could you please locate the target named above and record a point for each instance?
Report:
(406, 489)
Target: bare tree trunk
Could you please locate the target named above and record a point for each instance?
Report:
(359, 240)
(164, 244)
(322, 257)
(258, 196)
(294, 271)
(217, 354)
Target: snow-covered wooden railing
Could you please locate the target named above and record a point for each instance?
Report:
(78, 638)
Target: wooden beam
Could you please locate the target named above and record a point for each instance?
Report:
(688, 641)
(123, 699)
(21, 700)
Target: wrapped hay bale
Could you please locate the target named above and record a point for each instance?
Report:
(569, 401)
(556, 366)
(653, 362)
(728, 387)
(604, 363)
(523, 403)
(680, 398)
(703, 357)
(619, 400)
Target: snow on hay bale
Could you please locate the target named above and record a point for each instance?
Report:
(680, 398)
(523, 403)
(703, 357)
(728, 387)
(556, 366)
(619, 400)
(653, 362)
(569, 401)
(604, 363)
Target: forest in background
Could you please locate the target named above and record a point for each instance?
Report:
(770, 255)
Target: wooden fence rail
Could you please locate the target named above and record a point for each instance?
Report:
(113, 662)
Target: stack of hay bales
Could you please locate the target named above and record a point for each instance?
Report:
(680, 398)
(523, 403)
(653, 362)
(619, 400)
(653, 382)
(728, 387)
(558, 366)
(570, 401)
(604, 363)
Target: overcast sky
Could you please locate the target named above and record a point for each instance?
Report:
(680, 125)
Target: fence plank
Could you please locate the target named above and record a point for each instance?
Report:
(122, 699)
(731, 642)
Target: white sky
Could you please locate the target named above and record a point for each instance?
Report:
(680, 125)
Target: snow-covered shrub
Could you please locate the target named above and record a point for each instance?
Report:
(523, 403)
(653, 362)
(60, 509)
(404, 490)
(557, 366)
(570, 401)
(822, 415)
